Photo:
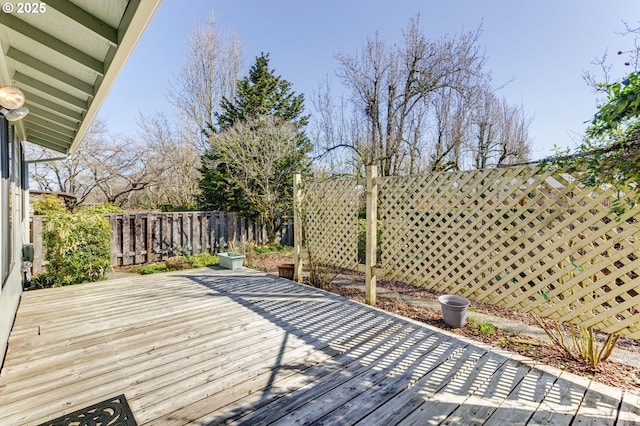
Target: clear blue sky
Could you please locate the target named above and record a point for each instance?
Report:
(544, 46)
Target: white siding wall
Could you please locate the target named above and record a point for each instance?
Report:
(14, 233)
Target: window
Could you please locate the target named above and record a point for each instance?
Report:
(23, 175)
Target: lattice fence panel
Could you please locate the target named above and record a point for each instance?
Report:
(515, 237)
(330, 221)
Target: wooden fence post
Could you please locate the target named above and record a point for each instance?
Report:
(148, 244)
(297, 228)
(38, 248)
(371, 229)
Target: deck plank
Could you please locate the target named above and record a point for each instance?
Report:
(330, 403)
(561, 403)
(428, 404)
(320, 380)
(482, 403)
(216, 347)
(336, 368)
(629, 410)
(428, 375)
(599, 406)
(524, 399)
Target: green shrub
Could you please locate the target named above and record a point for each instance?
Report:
(44, 280)
(152, 269)
(48, 205)
(78, 248)
(201, 260)
(102, 208)
(269, 248)
(362, 239)
(175, 263)
(487, 329)
(189, 207)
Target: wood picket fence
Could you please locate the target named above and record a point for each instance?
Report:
(147, 237)
(520, 237)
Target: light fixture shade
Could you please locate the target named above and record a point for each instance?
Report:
(11, 97)
(17, 114)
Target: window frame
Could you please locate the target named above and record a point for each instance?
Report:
(5, 202)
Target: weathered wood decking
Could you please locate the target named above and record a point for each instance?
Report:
(210, 347)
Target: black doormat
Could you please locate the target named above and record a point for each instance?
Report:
(112, 412)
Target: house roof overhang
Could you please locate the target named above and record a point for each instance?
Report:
(65, 59)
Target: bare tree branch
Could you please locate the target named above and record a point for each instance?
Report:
(209, 74)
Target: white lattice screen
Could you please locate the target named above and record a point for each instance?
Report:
(330, 216)
(516, 237)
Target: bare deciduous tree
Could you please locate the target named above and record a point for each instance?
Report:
(257, 153)
(418, 106)
(104, 168)
(451, 115)
(335, 131)
(162, 166)
(501, 133)
(209, 73)
(172, 164)
(391, 87)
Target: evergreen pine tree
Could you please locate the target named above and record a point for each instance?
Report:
(261, 92)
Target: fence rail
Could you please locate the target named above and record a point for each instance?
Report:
(147, 237)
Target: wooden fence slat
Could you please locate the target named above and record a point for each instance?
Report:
(214, 232)
(149, 238)
(188, 227)
(200, 248)
(175, 234)
(223, 230)
(139, 239)
(165, 236)
(126, 240)
(232, 229)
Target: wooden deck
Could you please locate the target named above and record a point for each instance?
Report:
(212, 347)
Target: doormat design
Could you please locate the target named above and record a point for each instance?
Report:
(113, 411)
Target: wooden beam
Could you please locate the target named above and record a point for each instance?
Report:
(37, 124)
(87, 20)
(33, 99)
(52, 43)
(53, 91)
(73, 125)
(45, 134)
(128, 16)
(53, 72)
(47, 143)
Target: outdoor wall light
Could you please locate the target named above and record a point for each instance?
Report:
(14, 114)
(11, 97)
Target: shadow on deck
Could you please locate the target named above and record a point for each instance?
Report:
(254, 349)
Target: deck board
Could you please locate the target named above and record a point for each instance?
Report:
(210, 346)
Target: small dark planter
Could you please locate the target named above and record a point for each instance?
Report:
(286, 271)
